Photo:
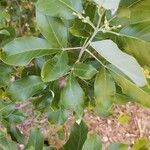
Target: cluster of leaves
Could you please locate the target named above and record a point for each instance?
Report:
(89, 55)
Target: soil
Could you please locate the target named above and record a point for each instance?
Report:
(127, 124)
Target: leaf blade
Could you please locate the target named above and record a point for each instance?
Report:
(92, 143)
(24, 88)
(72, 97)
(124, 62)
(52, 29)
(55, 68)
(77, 137)
(84, 71)
(130, 89)
(22, 50)
(59, 8)
(104, 90)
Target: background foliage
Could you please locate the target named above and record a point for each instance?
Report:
(66, 56)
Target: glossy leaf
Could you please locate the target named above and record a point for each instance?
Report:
(55, 68)
(139, 30)
(128, 3)
(5, 74)
(16, 117)
(77, 137)
(138, 16)
(4, 32)
(72, 96)
(49, 148)
(124, 118)
(17, 135)
(104, 90)
(81, 29)
(84, 71)
(25, 88)
(36, 140)
(141, 143)
(43, 103)
(59, 8)
(130, 89)
(133, 47)
(9, 114)
(57, 117)
(8, 35)
(53, 29)
(124, 62)
(22, 50)
(7, 144)
(92, 143)
(118, 146)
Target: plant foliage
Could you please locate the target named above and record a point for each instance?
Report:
(85, 54)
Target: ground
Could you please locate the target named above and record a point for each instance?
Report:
(127, 124)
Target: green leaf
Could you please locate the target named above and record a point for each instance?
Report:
(5, 38)
(139, 30)
(141, 144)
(7, 144)
(44, 101)
(9, 114)
(124, 118)
(57, 117)
(3, 15)
(81, 29)
(84, 71)
(55, 68)
(49, 148)
(53, 29)
(77, 137)
(124, 62)
(25, 88)
(128, 3)
(16, 117)
(121, 98)
(108, 4)
(138, 16)
(17, 135)
(35, 141)
(92, 142)
(118, 146)
(4, 32)
(130, 89)
(22, 50)
(59, 8)
(104, 90)
(5, 74)
(132, 46)
(72, 96)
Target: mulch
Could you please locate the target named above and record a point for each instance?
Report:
(110, 129)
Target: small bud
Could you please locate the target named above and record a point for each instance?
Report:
(83, 12)
(74, 13)
(79, 17)
(119, 26)
(108, 28)
(104, 31)
(26, 25)
(87, 18)
(84, 20)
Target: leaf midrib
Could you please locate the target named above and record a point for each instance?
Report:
(59, 43)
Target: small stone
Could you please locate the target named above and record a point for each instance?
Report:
(105, 139)
(21, 147)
